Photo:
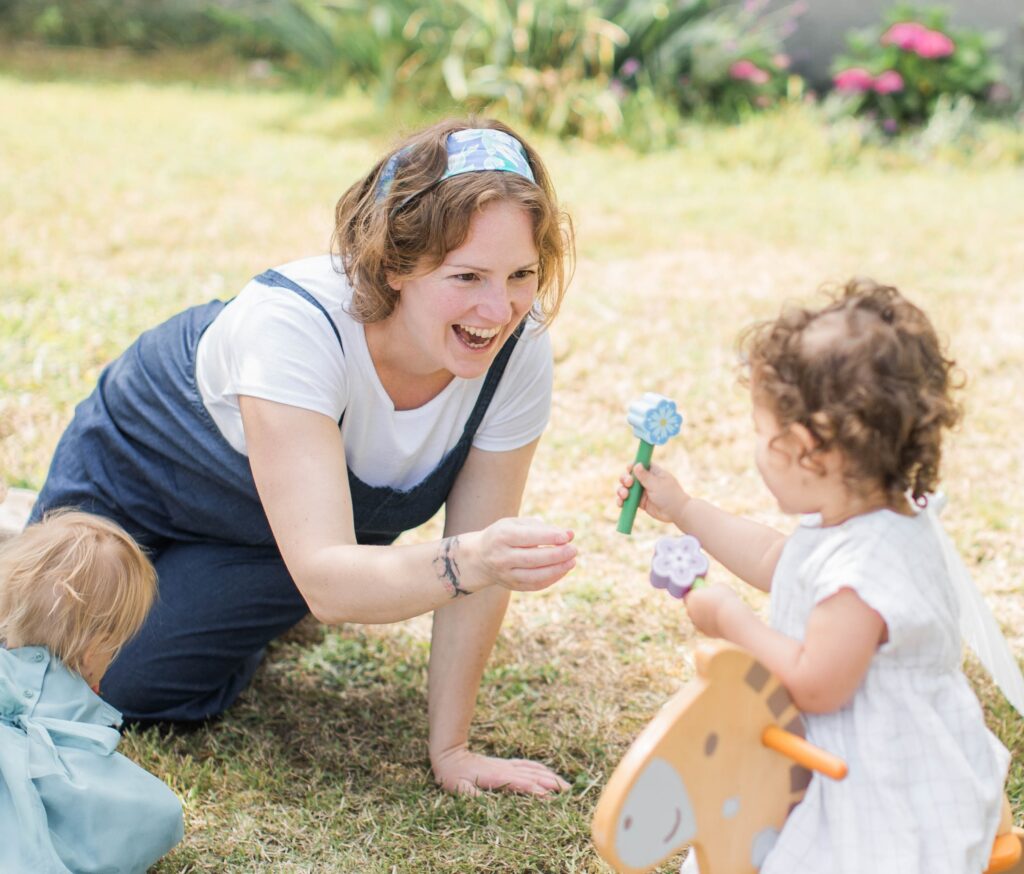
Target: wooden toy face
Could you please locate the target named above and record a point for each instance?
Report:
(699, 774)
(657, 817)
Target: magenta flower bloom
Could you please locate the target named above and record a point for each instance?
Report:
(748, 71)
(905, 35)
(854, 80)
(889, 82)
(934, 44)
(630, 67)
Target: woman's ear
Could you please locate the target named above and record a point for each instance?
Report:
(394, 281)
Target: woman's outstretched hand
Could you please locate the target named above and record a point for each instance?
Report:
(523, 555)
(464, 773)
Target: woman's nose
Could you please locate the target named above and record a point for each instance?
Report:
(496, 305)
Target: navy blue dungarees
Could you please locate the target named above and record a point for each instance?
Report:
(143, 450)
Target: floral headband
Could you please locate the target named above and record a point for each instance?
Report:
(469, 151)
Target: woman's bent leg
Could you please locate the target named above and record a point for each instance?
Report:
(219, 605)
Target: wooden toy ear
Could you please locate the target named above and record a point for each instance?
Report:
(705, 654)
(719, 661)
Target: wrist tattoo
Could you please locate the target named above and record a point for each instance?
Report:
(447, 568)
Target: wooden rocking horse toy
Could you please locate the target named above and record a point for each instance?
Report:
(720, 768)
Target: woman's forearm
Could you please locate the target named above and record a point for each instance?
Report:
(378, 584)
(463, 636)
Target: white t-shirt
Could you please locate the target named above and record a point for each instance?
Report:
(271, 343)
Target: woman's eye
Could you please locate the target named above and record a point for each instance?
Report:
(465, 277)
(523, 274)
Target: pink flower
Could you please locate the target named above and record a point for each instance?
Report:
(905, 35)
(888, 82)
(782, 61)
(934, 44)
(630, 67)
(912, 36)
(748, 71)
(855, 79)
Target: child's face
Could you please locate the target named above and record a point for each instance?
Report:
(96, 661)
(778, 461)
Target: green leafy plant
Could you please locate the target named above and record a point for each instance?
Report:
(708, 57)
(900, 71)
(598, 69)
(549, 63)
(616, 68)
(138, 24)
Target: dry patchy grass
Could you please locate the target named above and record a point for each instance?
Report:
(122, 202)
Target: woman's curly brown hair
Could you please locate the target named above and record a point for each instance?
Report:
(866, 375)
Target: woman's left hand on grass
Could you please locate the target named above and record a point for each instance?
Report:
(466, 773)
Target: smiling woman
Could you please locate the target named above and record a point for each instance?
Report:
(269, 450)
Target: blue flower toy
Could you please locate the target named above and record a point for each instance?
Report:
(654, 420)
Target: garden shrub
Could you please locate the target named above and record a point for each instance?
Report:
(613, 68)
(707, 57)
(901, 71)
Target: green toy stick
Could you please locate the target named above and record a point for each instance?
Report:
(654, 420)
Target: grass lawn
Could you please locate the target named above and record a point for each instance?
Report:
(123, 200)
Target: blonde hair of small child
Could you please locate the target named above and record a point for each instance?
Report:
(70, 581)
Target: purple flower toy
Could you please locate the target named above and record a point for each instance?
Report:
(678, 565)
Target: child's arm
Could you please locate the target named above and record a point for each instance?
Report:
(821, 672)
(746, 548)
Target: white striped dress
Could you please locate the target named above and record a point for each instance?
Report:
(926, 776)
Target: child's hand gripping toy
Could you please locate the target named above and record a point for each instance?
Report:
(678, 565)
(654, 420)
(719, 767)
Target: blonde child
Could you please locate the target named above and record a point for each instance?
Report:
(850, 402)
(73, 588)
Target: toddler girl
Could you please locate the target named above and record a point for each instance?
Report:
(73, 589)
(850, 402)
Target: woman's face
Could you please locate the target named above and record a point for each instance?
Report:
(456, 317)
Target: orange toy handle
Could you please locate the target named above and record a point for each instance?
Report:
(802, 752)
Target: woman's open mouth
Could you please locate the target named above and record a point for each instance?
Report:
(476, 338)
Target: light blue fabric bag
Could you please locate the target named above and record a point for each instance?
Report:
(68, 801)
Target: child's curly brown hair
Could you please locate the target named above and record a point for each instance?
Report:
(866, 375)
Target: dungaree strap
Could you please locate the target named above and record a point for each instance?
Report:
(272, 278)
